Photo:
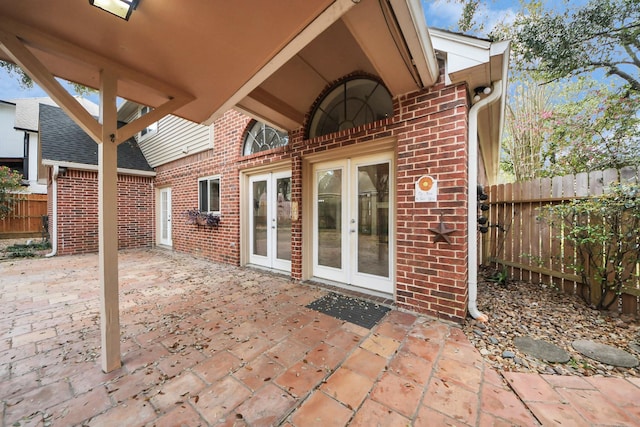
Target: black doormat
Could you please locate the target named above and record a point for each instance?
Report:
(354, 310)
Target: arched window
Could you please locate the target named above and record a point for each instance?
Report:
(262, 137)
(352, 102)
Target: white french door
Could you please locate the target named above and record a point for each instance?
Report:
(165, 217)
(270, 220)
(352, 218)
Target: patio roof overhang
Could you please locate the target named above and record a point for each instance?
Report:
(269, 58)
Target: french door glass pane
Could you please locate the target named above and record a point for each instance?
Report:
(283, 238)
(329, 222)
(373, 219)
(259, 218)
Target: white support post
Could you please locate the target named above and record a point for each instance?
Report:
(108, 224)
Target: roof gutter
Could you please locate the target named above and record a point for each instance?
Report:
(94, 168)
(472, 214)
(410, 17)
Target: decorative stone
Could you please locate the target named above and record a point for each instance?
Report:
(493, 340)
(635, 346)
(541, 349)
(605, 353)
(507, 354)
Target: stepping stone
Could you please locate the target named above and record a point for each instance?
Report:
(541, 349)
(605, 353)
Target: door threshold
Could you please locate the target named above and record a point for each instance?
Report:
(378, 297)
(269, 270)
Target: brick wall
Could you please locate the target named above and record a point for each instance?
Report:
(221, 244)
(78, 212)
(431, 131)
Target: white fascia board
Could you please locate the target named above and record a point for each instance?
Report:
(410, 16)
(500, 48)
(94, 168)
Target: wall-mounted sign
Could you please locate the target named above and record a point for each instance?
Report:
(426, 189)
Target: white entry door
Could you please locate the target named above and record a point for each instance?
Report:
(270, 220)
(165, 217)
(352, 219)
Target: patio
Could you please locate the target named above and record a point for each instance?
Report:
(208, 344)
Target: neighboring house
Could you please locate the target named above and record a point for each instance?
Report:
(71, 160)
(19, 139)
(170, 139)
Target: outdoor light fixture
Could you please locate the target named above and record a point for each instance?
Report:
(120, 8)
(479, 90)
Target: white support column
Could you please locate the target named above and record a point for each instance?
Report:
(108, 224)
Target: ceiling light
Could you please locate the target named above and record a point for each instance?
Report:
(120, 8)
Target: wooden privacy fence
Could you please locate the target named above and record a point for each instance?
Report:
(25, 219)
(532, 249)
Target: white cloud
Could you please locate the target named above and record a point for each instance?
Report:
(446, 13)
(442, 13)
(490, 17)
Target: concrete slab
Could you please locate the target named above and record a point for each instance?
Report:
(541, 349)
(605, 353)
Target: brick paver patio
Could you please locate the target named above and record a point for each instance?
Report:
(205, 344)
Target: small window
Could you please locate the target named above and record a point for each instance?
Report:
(262, 137)
(209, 194)
(152, 129)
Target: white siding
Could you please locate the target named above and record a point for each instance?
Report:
(176, 138)
(11, 140)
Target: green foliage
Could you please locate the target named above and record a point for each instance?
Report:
(10, 181)
(469, 9)
(602, 35)
(586, 59)
(605, 230)
(27, 250)
(559, 129)
(595, 131)
(16, 71)
(501, 277)
(524, 143)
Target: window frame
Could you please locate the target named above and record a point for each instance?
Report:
(372, 94)
(251, 134)
(150, 130)
(209, 180)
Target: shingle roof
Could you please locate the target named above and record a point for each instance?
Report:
(64, 141)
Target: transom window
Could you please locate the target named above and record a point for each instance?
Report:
(209, 194)
(352, 102)
(152, 129)
(262, 137)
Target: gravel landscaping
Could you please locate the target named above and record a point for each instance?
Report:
(522, 309)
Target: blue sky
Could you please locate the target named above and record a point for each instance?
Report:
(10, 88)
(444, 14)
(438, 13)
